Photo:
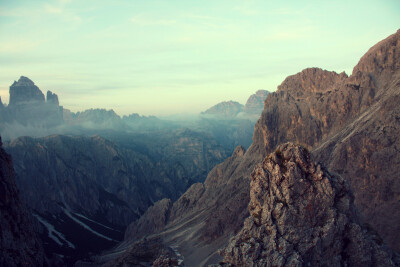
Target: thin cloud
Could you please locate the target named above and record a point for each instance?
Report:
(18, 46)
(202, 17)
(52, 9)
(146, 21)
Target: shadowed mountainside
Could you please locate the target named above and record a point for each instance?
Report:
(19, 245)
(88, 189)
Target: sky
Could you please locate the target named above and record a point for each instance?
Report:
(179, 56)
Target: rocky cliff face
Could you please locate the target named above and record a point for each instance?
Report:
(255, 103)
(301, 215)
(350, 123)
(19, 245)
(351, 126)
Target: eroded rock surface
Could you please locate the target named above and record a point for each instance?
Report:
(255, 103)
(301, 215)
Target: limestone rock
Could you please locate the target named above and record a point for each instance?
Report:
(255, 103)
(25, 91)
(301, 215)
(351, 125)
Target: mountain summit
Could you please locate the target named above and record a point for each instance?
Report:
(25, 91)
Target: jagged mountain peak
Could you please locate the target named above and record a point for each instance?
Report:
(384, 56)
(24, 81)
(25, 91)
(255, 103)
(312, 80)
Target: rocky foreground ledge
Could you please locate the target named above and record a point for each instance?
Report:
(302, 215)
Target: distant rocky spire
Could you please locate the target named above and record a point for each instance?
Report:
(25, 91)
(52, 98)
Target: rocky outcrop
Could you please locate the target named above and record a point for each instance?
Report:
(226, 109)
(25, 91)
(312, 80)
(255, 103)
(52, 98)
(19, 245)
(302, 215)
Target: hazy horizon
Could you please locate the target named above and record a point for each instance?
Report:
(159, 58)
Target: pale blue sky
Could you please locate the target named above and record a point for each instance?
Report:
(166, 57)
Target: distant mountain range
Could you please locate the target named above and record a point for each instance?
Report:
(94, 172)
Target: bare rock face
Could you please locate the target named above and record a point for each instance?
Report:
(312, 80)
(255, 103)
(226, 109)
(19, 245)
(25, 91)
(301, 215)
(351, 124)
